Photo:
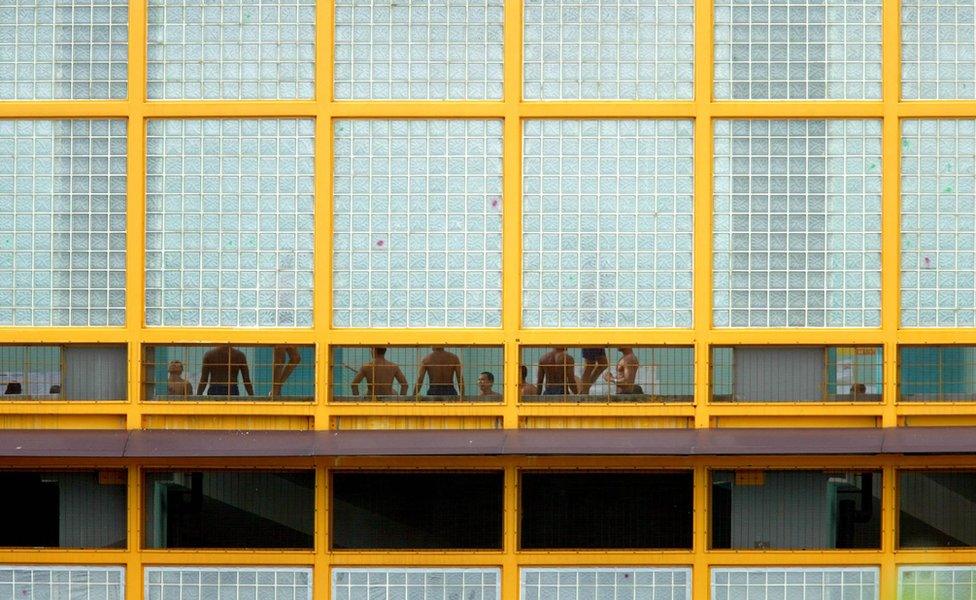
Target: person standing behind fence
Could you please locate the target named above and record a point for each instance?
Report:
(441, 368)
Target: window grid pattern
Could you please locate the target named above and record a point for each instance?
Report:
(856, 583)
(608, 49)
(191, 583)
(231, 50)
(34, 582)
(607, 223)
(229, 207)
(938, 50)
(921, 583)
(416, 584)
(64, 49)
(417, 223)
(441, 50)
(797, 223)
(62, 222)
(798, 50)
(606, 584)
(938, 223)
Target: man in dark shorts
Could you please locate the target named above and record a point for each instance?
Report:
(556, 376)
(220, 369)
(442, 368)
(626, 373)
(595, 362)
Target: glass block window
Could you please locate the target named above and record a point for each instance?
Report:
(232, 49)
(936, 581)
(62, 222)
(938, 223)
(416, 584)
(441, 50)
(608, 49)
(191, 583)
(856, 583)
(35, 582)
(229, 222)
(938, 55)
(607, 223)
(64, 49)
(798, 50)
(606, 583)
(797, 223)
(417, 223)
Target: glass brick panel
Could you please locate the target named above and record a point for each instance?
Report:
(606, 583)
(607, 223)
(232, 49)
(938, 53)
(416, 584)
(417, 223)
(938, 223)
(797, 223)
(35, 582)
(608, 49)
(798, 50)
(64, 49)
(229, 222)
(62, 222)
(932, 581)
(441, 50)
(220, 583)
(854, 583)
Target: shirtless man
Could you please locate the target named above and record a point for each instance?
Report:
(286, 358)
(626, 373)
(485, 381)
(526, 388)
(221, 367)
(441, 367)
(379, 374)
(175, 384)
(595, 362)
(555, 376)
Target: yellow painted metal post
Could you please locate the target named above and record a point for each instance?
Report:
(322, 279)
(133, 562)
(700, 577)
(321, 581)
(889, 571)
(510, 563)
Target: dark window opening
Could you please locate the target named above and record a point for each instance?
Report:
(937, 509)
(606, 510)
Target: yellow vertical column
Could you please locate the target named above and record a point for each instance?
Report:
(321, 586)
(889, 570)
(133, 562)
(512, 208)
(510, 566)
(890, 206)
(700, 580)
(135, 209)
(703, 207)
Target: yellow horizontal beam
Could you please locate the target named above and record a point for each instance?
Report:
(942, 108)
(818, 337)
(786, 409)
(390, 409)
(64, 109)
(63, 407)
(573, 409)
(66, 335)
(227, 557)
(228, 408)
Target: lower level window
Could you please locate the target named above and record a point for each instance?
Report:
(211, 583)
(936, 509)
(607, 583)
(416, 584)
(75, 582)
(774, 583)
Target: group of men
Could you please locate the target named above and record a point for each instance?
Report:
(556, 375)
(223, 365)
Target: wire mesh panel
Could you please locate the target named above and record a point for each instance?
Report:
(798, 50)
(936, 374)
(232, 49)
(64, 49)
(62, 222)
(608, 49)
(930, 582)
(229, 222)
(850, 583)
(796, 374)
(938, 55)
(607, 223)
(417, 223)
(604, 374)
(442, 50)
(797, 223)
(606, 583)
(239, 583)
(282, 373)
(39, 582)
(416, 584)
(938, 223)
(74, 372)
(795, 510)
(936, 509)
(410, 373)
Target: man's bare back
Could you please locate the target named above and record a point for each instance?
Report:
(380, 374)
(220, 370)
(441, 368)
(556, 376)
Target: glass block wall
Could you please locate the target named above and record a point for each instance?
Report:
(35, 582)
(416, 584)
(606, 583)
(853, 583)
(217, 583)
